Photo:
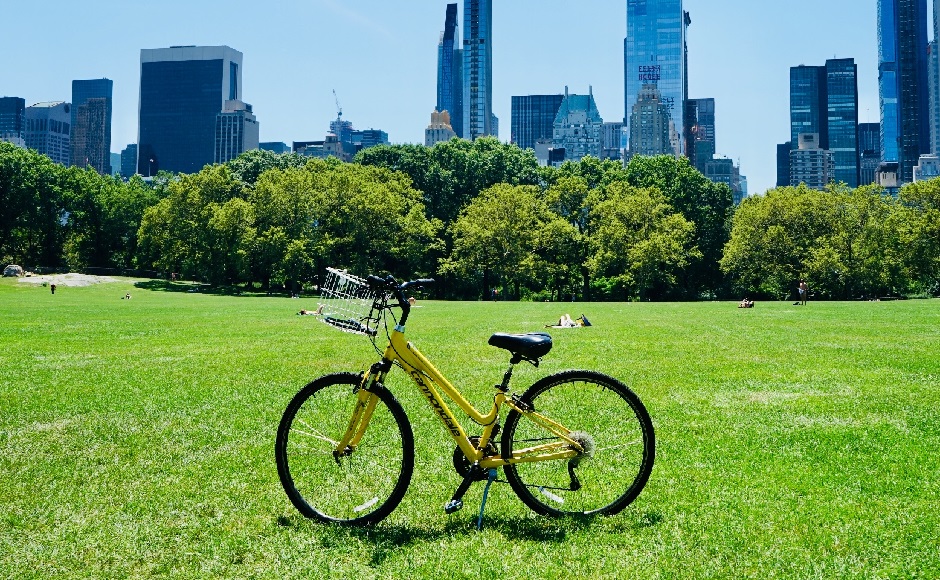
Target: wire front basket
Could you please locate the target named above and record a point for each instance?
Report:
(347, 303)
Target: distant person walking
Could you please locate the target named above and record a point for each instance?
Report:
(52, 287)
(804, 292)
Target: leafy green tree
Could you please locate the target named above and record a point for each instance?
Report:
(917, 221)
(497, 238)
(249, 166)
(452, 173)
(771, 239)
(33, 214)
(707, 204)
(639, 243)
(175, 234)
(855, 258)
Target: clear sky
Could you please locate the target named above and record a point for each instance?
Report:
(381, 58)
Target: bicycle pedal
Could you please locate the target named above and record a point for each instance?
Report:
(452, 506)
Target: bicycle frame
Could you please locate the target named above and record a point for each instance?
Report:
(431, 382)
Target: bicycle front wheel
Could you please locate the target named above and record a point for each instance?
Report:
(608, 421)
(357, 489)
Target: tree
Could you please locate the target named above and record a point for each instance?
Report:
(495, 237)
(249, 166)
(639, 243)
(917, 221)
(31, 222)
(706, 204)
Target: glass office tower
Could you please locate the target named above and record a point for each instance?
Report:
(477, 68)
(808, 110)
(449, 71)
(903, 83)
(701, 143)
(654, 55)
(533, 118)
(13, 119)
(842, 113)
(824, 101)
(91, 124)
(182, 91)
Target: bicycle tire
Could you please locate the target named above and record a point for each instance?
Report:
(356, 490)
(619, 430)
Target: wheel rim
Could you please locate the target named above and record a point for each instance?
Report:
(353, 489)
(611, 474)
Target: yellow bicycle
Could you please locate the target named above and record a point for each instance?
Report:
(576, 442)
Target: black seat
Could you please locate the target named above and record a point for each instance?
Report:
(530, 346)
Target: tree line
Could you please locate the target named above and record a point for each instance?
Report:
(477, 216)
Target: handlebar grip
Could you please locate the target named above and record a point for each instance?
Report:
(425, 281)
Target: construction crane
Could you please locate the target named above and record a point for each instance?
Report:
(339, 110)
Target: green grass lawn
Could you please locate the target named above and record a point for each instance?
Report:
(136, 439)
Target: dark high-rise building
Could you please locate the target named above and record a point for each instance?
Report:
(700, 147)
(869, 152)
(278, 147)
(477, 68)
(91, 124)
(182, 91)
(129, 161)
(13, 119)
(808, 110)
(450, 71)
(783, 164)
(654, 59)
(842, 113)
(533, 118)
(824, 101)
(903, 83)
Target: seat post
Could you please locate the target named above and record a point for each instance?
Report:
(504, 386)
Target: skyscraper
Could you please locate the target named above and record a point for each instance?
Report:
(449, 71)
(13, 120)
(91, 124)
(701, 144)
(578, 127)
(129, 161)
(652, 129)
(236, 131)
(654, 56)
(842, 113)
(182, 91)
(478, 68)
(47, 129)
(903, 83)
(533, 118)
(808, 103)
(824, 101)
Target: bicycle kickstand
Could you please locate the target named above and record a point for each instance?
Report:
(486, 491)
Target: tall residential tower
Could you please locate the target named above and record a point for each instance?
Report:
(450, 71)
(903, 83)
(478, 116)
(655, 69)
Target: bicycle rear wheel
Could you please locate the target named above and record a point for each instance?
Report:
(611, 424)
(361, 488)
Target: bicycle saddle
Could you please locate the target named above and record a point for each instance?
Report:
(529, 346)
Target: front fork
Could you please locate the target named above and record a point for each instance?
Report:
(366, 401)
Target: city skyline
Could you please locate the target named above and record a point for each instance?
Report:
(296, 53)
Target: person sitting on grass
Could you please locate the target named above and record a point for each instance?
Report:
(746, 303)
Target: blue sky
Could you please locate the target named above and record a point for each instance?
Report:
(380, 57)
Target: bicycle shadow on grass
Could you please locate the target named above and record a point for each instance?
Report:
(385, 539)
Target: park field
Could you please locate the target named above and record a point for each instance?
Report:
(137, 440)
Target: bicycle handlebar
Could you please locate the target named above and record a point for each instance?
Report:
(390, 284)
